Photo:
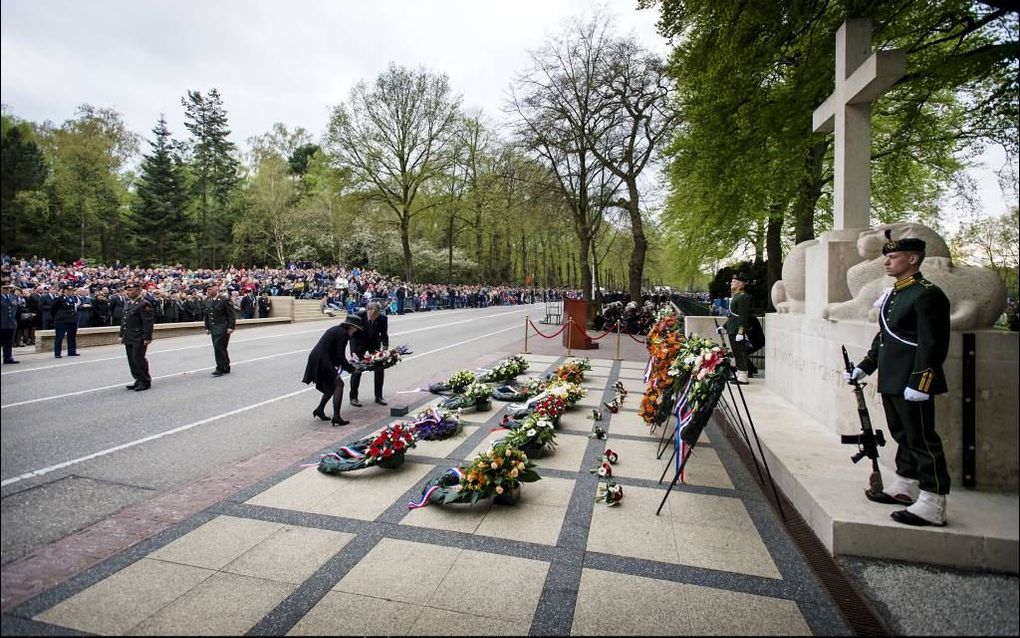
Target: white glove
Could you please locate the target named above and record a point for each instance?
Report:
(911, 394)
(720, 329)
(738, 337)
(856, 375)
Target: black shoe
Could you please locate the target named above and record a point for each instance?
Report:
(907, 518)
(356, 403)
(73, 354)
(320, 415)
(886, 499)
(132, 386)
(381, 401)
(218, 373)
(143, 388)
(335, 421)
(56, 356)
(12, 361)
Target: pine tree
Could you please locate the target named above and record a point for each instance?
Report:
(162, 224)
(215, 166)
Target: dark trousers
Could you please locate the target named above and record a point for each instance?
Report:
(137, 362)
(739, 352)
(69, 329)
(220, 341)
(356, 383)
(7, 339)
(920, 455)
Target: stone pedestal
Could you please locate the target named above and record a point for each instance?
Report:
(826, 264)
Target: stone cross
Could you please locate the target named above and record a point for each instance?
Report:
(860, 78)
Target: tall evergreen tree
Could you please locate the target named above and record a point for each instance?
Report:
(215, 168)
(22, 169)
(161, 220)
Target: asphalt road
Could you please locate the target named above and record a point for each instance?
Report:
(77, 446)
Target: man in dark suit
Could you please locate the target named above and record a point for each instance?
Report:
(9, 306)
(265, 305)
(65, 322)
(84, 309)
(117, 303)
(136, 335)
(46, 300)
(374, 336)
(220, 321)
(248, 304)
(908, 352)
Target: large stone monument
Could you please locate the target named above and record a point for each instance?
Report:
(830, 284)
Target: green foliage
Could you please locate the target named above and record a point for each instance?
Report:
(23, 173)
(161, 223)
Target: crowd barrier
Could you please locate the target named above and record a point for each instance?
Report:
(529, 325)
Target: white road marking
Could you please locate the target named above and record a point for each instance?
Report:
(183, 428)
(234, 363)
(120, 357)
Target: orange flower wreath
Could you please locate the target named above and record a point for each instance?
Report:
(663, 343)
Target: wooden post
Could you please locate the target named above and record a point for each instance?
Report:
(526, 334)
(617, 340)
(570, 334)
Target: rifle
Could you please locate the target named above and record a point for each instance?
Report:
(869, 440)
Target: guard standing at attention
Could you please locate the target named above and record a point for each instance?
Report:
(136, 334)
(375, 336)
(738, 324)
(908, 353)
(220, 321)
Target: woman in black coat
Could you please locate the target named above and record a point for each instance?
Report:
(326, 360)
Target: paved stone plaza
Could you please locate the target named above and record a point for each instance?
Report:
(306, 553)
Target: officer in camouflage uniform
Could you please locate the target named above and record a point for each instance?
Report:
(220, 321)
(908, 352)
(136, 335)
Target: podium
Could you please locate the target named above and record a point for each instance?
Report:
(574, 336)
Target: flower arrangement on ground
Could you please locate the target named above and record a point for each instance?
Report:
(476, 394)
(606, 462)
(496, 473)
(569, 391)
(533, 436)
(380, 359)
(573, 370)
(436, 424)
(384, 449)
(506, 369)
(537, 386)
(550, 407)
(460, 380)
(609, 492)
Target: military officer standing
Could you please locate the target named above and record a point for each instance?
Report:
(136, 335)
(220, 320)
(738, 323)
(908, 353)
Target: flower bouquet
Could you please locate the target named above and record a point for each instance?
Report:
(476, 395)
(435, 425)
(380, 359)
(457, 382)
(609, 492)
(664, 342)
(384, 449)
(506, 369)
(570, 392)
(552, 408)
(573, 370)
(496, 473)
(533, 436)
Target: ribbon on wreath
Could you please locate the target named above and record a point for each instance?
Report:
(452, 472)
(683, 417)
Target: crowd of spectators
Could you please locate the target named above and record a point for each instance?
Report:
(177, 293)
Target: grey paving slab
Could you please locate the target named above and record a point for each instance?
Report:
(217, 543)
(399, 570)
(513, 595)
(443, 622)
(291, 555)
(342, 614)
(719, 612)
(649, 608)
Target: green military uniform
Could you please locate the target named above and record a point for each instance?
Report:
(739, 322)
(908, 352)
(220, 316)
(136, 331)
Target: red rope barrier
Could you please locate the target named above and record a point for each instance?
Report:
(606, 332)
(539, 332)
(636, 339)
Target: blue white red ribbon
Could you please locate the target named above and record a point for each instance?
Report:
(683, 417)
(424, 500)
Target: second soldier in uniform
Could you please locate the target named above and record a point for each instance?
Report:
(136, 335)
(220, 321)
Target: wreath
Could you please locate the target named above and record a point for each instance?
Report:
(384, 449)
(380, 359)
(506, 369)
(456, 383)
(496, 473)
(435, 425)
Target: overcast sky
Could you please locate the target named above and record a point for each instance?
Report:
(281, 61)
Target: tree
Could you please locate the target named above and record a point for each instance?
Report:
(396, 136)
(87, 154)
(161, 222)
(556, 106)
(269, 229)
(636, 118)
(993, 242)
(23, 169)
(214, 167)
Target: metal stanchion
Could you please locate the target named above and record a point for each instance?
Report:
(526, 334)
(570, 335)
(617, 341)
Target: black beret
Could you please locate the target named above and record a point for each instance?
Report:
(912, 244)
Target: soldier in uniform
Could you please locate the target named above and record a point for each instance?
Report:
(738, 324)
(374, 336)
(220, 320)
(908, 353)
(65, 322)
(136, 335)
